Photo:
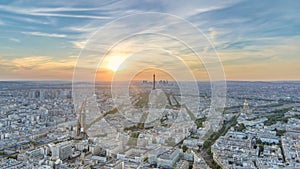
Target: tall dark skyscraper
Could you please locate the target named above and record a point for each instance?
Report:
(153, 81)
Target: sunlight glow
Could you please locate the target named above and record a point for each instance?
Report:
(114, 62)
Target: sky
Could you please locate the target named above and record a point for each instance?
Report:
(251, 40)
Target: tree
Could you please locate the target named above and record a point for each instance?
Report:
(261, 149)
(240, 127)
(184, 148)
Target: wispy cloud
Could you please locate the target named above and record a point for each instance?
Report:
(45, 34)
(69, 16)
(15, 40)
(26, 19)
(79, 44)
(2, 23)
(52, 12)
(37, 67)
(64, 9)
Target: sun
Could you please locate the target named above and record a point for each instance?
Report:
(114, 62)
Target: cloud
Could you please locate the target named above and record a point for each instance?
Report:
(26, 19)
(45, 34)
(70, 16)
(52, 12)
(37, 67)
(15, 40)
(198, 7)
(79, 44)
(63, 9)
(2, 23)
(277, 61)
(81, 29)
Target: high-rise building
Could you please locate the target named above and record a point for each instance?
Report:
(41, 94)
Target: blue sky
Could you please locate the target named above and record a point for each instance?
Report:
(256, 40)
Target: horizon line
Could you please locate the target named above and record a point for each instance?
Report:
(50, 80)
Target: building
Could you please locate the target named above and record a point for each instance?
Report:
(61, 151)
(245, 108)
(169, 158)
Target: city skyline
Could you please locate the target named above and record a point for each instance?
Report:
(149, 84)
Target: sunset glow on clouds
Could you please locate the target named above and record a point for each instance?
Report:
(41, 40)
